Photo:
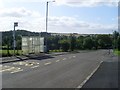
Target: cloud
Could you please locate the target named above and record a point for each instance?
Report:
(17, 12)
(70, 24)
(21, 15)
(73, 3)
(29, 20)
(87, 3)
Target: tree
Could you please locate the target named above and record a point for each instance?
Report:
(115, 37)
(115, 34)
(79, 42)
(64, 45)
(88, 43)
(72, 42)
(104, 41)
(118, 42)
(18, 43)
(101, 43)
(7, 44)
(95, 41)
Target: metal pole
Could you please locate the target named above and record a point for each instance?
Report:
(14, 42)
(46, 25)
(109, 46)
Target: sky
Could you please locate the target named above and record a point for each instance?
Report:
(64, 16)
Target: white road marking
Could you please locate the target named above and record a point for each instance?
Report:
(4, 68)
(61, 55)
(35, 66)
(74, 56)
(29, 64)
(37, 63)
(17, 71)
(26, 63)
(20, 63)
(57, 60)
(47, 63)
(64, 59)
(81, 85)
(11, 69)
(8, 69)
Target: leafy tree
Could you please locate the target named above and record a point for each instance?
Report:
(101, 43)
(115, 34)
(118, 43)
(72, 42)
(79, 42)
(88, 43)
(64, 45)
(8, 45)
(104, 41)
(115, 37)
(95, 41)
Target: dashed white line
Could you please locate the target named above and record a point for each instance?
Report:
(29, 64)
(74, 56)
(35, 66)
(81, 85)
(17, 71)
(47, 63)
(37, 63)
(61, 55)
(57, 60)
(64, 59)
(8, 69)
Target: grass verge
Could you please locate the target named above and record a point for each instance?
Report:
(11, 52)
(117, 52)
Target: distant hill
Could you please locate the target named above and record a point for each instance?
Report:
(42, 34)
(19, 33)
(23, 33)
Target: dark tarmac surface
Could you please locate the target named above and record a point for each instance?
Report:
(61, 71)
(105, 77)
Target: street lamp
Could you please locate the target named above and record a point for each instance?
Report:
(14, 41)
(46, 48)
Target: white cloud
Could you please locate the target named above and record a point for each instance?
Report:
(21, 15)
(56, 24)
(29, 20)
(17, 12)
(1, 4)
(74, 3)
(70, 24)
(87, 3)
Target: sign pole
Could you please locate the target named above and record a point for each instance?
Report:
(14, 40)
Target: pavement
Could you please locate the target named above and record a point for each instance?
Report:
(26, 57)
(12, 59)
(59, 71)
(34, 56)
(106, 76)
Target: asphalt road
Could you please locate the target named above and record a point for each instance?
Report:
(106, 76)
(62, 71)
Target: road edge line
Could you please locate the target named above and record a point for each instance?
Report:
(81, 85)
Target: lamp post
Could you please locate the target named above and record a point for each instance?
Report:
(14, 41)
(46, 48)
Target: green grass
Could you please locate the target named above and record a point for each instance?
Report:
(55, 50)
(11, 52)
(117, 52)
